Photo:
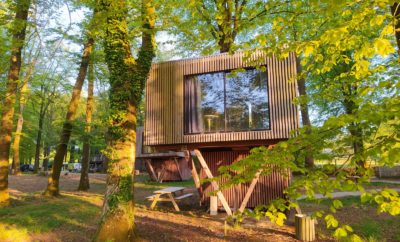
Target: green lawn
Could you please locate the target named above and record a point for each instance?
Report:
(363, 218)
(38, 214)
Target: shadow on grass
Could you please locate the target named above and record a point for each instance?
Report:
(39, 214)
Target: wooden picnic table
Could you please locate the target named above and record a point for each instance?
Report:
(169, 195)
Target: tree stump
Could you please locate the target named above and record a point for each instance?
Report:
(305, 227)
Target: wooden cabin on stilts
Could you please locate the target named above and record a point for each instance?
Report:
(204, 112)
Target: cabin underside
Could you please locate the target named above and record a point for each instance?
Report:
(168, 169)
(267, 188)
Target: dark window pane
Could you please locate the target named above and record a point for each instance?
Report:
(222, 102)
(204, 103)
(247, 101)
(212, 101)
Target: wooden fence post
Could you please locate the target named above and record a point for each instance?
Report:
(213, 205)
(305, 227)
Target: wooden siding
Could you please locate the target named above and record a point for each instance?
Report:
(267, 188)
(164, 123)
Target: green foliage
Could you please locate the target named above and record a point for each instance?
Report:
(351, 69)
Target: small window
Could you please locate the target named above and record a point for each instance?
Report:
(222, 102)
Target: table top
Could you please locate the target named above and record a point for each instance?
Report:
(170, 190)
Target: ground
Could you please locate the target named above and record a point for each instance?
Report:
(74, 216)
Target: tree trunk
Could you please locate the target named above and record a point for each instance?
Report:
(20, 122)
(356, 132)
(18, 39)
(395, 8)
(127, 80)
(305, 118)
(72, 151)
(46, 158)
(84, 181)
(53, 182)
(18, 131)
(39, 138)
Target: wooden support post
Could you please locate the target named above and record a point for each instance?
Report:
(249, 192)
(177, 166)
(213, 205)
(305, 227)
(214, 184)
(195, 175)
(151, 170)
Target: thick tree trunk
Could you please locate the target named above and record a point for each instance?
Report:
(305, 118)
(395, 8)
(84, 181)
(127, 80)
(18, 40)
(53, 182)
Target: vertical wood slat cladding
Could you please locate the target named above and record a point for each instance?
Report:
(268, 187)
(164, 123)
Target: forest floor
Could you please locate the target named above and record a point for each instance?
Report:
(74, 215)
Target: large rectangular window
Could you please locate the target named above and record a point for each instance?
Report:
(222, 102)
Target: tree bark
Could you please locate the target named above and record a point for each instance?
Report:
(305, 118)
(354, 128)
(395, 9)
(84, 180)
(18, 131)
(39, 137)
(127, 80)
(53, 182)
(72, 151)
(18, 39)
(46, 158)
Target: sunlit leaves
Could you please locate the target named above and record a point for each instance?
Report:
(331, 221)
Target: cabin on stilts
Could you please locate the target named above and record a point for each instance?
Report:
(204, 107)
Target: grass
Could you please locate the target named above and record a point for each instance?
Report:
(362, 217)
(38, 214)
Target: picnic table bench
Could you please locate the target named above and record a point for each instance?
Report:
(169, 195)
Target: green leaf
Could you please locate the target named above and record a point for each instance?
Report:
(340, 233)
(383, 47)
(337, 203)
(331, 221)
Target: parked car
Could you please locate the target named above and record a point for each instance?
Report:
(26, 167)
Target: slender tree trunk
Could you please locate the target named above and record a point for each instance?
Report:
(18, 131)
(305, 118)
(72, 151)
(354, 128)
(39, 138)
(20, 122)
(127, 80)
(54, 178)
(18, 40)
(395, 8)
(46, 158)
(84, 181)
